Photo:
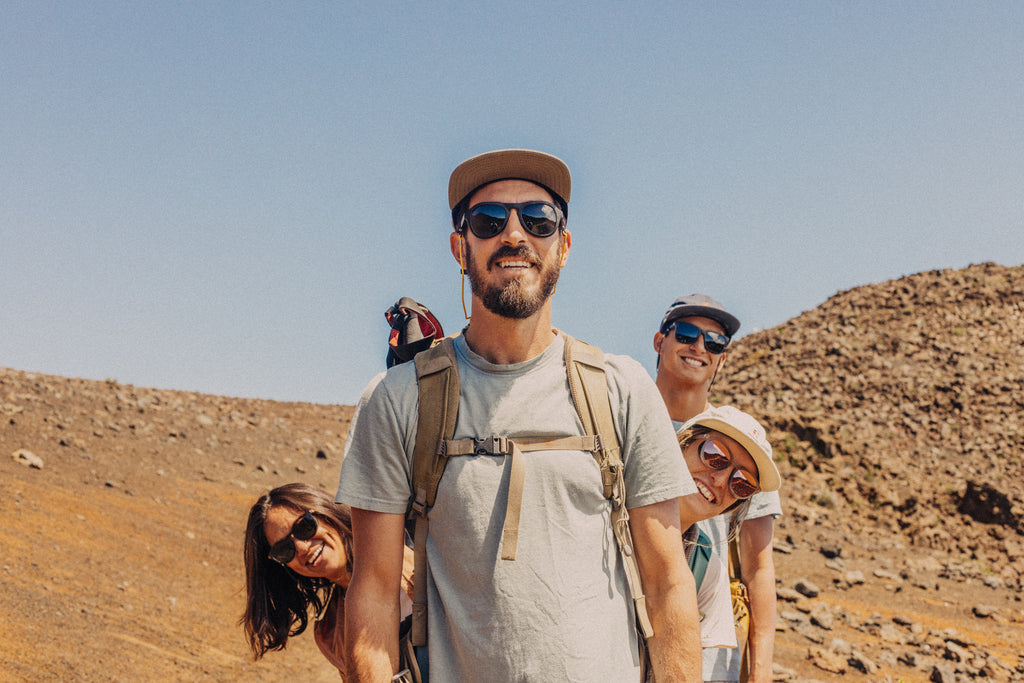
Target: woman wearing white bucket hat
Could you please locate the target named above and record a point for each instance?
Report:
(730, 459)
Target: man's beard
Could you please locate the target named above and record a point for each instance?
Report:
(512, 300)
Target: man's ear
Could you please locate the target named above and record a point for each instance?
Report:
(458, 249)
(721, 362)
(566, 241)
(658, 339)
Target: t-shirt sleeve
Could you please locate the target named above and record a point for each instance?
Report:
(654, 466)
(764, 504)
(376, 466)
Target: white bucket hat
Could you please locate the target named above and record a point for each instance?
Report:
(749, 433)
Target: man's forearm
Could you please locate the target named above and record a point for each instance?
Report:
(761, 639)
(758, 573)
(670, 590)
(371, 604)
(675, 648)
(371, 639)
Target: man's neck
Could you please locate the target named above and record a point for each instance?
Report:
(683, 403)
(504, 341)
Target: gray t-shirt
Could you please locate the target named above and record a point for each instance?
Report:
(561, 610)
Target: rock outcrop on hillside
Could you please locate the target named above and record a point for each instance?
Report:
(901, 405)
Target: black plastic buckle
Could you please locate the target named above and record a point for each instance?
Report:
(490, 445)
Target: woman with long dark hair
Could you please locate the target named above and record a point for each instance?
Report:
(298, 557)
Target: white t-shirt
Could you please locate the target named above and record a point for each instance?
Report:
(714, 602)
(724, 664)
(561, 610)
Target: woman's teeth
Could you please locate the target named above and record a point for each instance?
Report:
(705, 491)
(316, 555)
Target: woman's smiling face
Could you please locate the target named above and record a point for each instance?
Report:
(322, 556)
(713, 495)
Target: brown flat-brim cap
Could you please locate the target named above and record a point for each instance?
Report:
(508, 164)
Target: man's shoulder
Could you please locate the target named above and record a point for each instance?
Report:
(398, 376)
(625, 370)
(389, 387)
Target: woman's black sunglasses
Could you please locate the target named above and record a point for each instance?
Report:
(303, 529)
(487, 220)
(688, 333)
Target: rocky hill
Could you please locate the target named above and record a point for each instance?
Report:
(896, 414)
(895, 410)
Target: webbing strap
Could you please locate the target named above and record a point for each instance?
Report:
(587, 381)
(734, 555)
(514, 504)
(501, 445)
(418, 634)
(514, 448)
(437, 377)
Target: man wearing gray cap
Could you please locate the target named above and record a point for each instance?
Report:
(691, 345)
(556, 604)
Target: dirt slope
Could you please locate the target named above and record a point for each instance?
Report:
(896, 411)
(122, 555)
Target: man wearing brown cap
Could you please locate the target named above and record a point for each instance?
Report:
(691, 345)
(558, 607)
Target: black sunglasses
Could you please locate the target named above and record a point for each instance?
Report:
(741, 483)
(487, 220)
(303, 529)
(688, 333)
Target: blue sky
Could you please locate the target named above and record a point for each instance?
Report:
(224, 197)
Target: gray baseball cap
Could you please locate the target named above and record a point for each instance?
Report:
(703, 306)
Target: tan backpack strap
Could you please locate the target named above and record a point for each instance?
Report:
(499, 445)
(514, 504)
(437, 378)
(588, 385)
(418, 634)
(514, 448)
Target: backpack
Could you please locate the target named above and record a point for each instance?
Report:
(413, 329)
(438, 385)
(416, 335)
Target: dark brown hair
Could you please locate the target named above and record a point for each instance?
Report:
(277, 598)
